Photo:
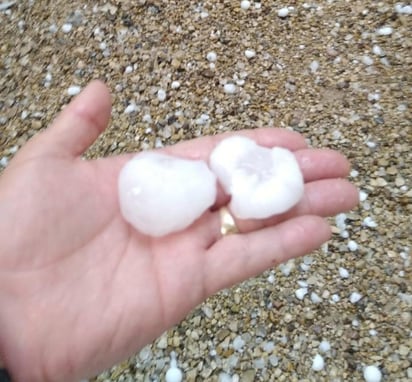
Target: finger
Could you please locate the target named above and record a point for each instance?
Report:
(77, 126)
(238, 257)
(325, 197)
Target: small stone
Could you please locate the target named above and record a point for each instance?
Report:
(399, 181)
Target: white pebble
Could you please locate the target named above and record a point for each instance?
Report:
(324, 346)
(211, 56)
(369, 222)
(355, 297)
(343, 272)
(161, 95)
(230, 88)
(245, 4)
(318, 363)
(352, 245)
(73, 90)
(250, 53)
(175, 85)
(261, 181)
(314, 66)
(372, 374)
(315, 298)
(384, 31)
(301, 293)
(160, 194)
(283, 12)
(67, 28)
(131, 108)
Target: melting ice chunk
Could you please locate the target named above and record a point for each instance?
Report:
(160, 194)
(262, 181)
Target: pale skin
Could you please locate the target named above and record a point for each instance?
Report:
(80, 289)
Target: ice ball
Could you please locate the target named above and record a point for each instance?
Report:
(160, 194)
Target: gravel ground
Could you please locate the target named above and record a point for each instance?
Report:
(337, 71)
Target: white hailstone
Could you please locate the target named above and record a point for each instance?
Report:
(128, 69)
(73, 90)
(352, 245)
(283, 12)
(230, 88)
(238, 343)
(371, 144)
(224, 377)
(161, 95)
(315, 298)
(48, 77)
(369, 222)
(156, 210)
(67, 28)
(302, 284)
(318, 363)
(245, 4)
(271, 279)
(340, 221)
(53, 28)
(250, 53)
(175, 85)
(344, 234)
(131, 108)
(368, 61)
(301, 293)
(314, 66)
(202, 120)
(24, 114)
(6, 5)
(268, 346)
(355, 323)
(355, 297)
(343, 272)
(372, 374)
(373, 332)
(403, 9)
(211, 56)
(324, 346)
(384, 31)
(173, 374)
(258, 5)
(377, 50)
(262, 182)
(287, 268)
(4, 161)
(335, 298)
(354, 173)
(362, 196)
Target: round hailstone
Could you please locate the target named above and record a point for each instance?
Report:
(318, 363)
(161, 194)
(245, 4)
(73, 90)
(67, 28)
(283, 12)
(355, 297)
(384, 31)
(175, 85)
(211, 56)
(372, 374)
(324, 346)
(173, 374)
(230, 88)
(250, 53)
(262, 182)
(161, 95)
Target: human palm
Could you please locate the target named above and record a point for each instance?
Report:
(80, 289)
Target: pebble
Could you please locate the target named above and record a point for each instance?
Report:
(318, 363)
(355, 297)
(73, 90)
(372, 374)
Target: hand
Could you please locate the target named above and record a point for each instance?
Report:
(80, 289)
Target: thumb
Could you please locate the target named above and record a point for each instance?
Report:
(77, 126)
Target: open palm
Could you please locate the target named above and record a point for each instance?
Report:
(80, 289)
